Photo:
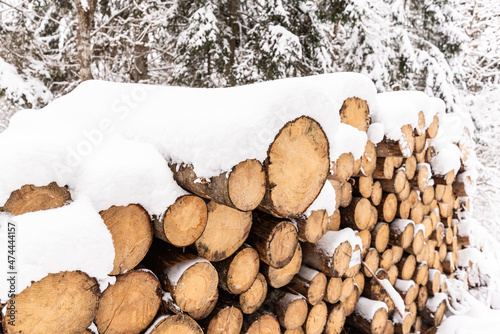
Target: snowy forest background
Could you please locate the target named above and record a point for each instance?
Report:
(447, 48)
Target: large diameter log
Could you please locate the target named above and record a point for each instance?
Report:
(261, 322)
(316, 318)
(175, 324)
(183, 222)
(310, 283)
(278, 278)
(355, 112)
(253, 298)
(225, 232)
(191, 280)
(296, 166)
(242, 188)
(358, 214)
(223, 319)
(30, 198)
(369, 316)
(65, 302)
(238, 272)
(129, 305)
(402, 148)
(275, 239)
(132, 233)
(336, 319)
(331, 254)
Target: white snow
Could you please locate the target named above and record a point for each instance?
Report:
(434, 301)
(88, 126)
(367, 308)
(395, 296)
(332, 239)
(307, 273)
(400, 224)
(73, 237)
(348, 139)
(324, 201)
(404, 285)
(376, 132)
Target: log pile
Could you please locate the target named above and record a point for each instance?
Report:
(241, 253)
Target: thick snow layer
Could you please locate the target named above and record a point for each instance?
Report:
(332, 239)
(396, 109)
(213, 129)
(348, 139)
(395, 296)
(433, 302)
(367, 308)
(73, 237)
(324, 201)
(376, 132)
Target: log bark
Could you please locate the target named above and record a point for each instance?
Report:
(238, 272)
(384, 169)
(326, 256)
(396, 184)
(309, 283)
(402, 148)
(278, 278)
(401, 233)
(312, 227)
(175, 324)
(183, 222)
(224, 233)
(68, 299)
(368, 322)
(30, 198)
(293, 181)
(132, 233)
(375, 291)
(85, 15)
(242, 188)
(119, 303)
(274, 239)
(191, 280)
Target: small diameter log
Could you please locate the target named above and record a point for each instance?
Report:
(364, 187)
(261, 322)
(347, 288)
(428, 195)
(462, 185)
(407, 290)
(397, 253)
(359, 281)
(414, 198)
(346, 194)
(428, 227)
(278, 278)
(369, 316)
(433, 128)
(384, 169)
(389, 328)
(132, 233)
(397, 161)
(417, 213)
(238, 272)
(343, 168)
(68, 299)
(410, 166)
(402, 325)
(331, 254)
(374, 290)
(366, 239)
(388, 208)
(350, 304)
(310, 283)
(316, 319)
(401, 233)
(250, 300)
(183, 222)
(293, 181)
(334, 221)
(119, 304)
(434, 282)
(358, 214)
(336, 319)
(417, 245)
(402, 148)
(175, 324)
(223, 319)
(30, 198)
(386, 259)
(421, 274)
(422, 297)
(393, 273)
(311, 228)
(396, 184)
(337, 186)
(420, 142)
(421, 180)
(406, 267)
(275, 239)
(404, 209)
(446, 179)
(191, 280)
(333, 290)
(291, 309)
(380, 236)
(372, 261)
(376, 196)
(225, 232)
(434, 309)
(242, 188)
(299, 330)
(355, 112)
(368, 160)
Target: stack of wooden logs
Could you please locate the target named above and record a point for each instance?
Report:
(241, 253)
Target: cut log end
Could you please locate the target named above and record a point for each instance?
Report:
(247, 185)
(243, 270)
(316, 319)
(252, 299)
(228, 320)
(297, 166)
(132, 233)
(278, 278)
(355, 112)
(264, 323)
(175, 324)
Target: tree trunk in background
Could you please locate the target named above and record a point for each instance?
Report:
(85, 15)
